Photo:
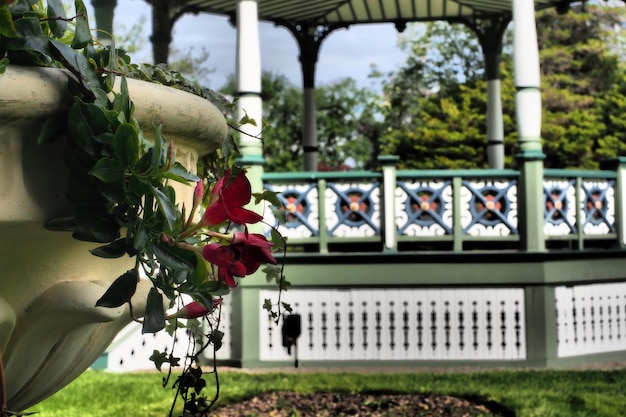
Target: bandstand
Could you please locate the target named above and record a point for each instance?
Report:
(495, 267)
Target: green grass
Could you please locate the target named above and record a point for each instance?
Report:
(549, 393)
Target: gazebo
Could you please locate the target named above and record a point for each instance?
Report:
(312, 22)
(493, 277)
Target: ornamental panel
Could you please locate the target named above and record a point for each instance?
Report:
(489, 208)
(598, 206)
(300, 208)
(352, 209)
(560, 207)
(424, 208)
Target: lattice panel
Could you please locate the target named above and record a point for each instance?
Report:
(598, 205)
(560, 207)
(424, 208)
(489, 208)
(130, 351)
(301, 206)
(352, 210)
(402, 324)
(591, 318)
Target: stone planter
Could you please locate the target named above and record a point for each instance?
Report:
(50, 329)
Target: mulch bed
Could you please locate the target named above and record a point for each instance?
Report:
(291, 404)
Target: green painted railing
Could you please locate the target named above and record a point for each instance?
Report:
(451, 210)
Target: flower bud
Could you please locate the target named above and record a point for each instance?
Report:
(198, 193)
(191, 311)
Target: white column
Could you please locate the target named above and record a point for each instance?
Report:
(249, 78)
(528, 111)
(526, 68)
(310, 145)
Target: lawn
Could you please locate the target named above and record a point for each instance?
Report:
(544, 393)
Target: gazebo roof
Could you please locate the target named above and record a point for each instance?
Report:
(346, 12)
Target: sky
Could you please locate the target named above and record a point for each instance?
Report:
(344, 53)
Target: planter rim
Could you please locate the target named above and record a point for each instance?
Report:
(183, 116)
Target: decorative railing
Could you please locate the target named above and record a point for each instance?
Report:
(439, 209)
(580, 204)
(400, 307)
(402, 324)
(410, 324)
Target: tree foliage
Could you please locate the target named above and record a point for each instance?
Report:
(344, 118)
(436, 107)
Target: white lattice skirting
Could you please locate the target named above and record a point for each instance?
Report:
(402, 324)
(131, 350)
(591, 318)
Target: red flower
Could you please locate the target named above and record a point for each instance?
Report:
(255, 250)
(194, 310)
(242, 257)
(228, 262)
(227, 201)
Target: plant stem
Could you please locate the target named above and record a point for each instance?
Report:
(3, 389)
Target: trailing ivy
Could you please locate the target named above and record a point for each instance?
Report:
(120, 182)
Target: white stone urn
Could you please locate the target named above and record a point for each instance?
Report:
(50, 329)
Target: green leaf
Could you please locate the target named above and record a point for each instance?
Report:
(82, 34)
(108, 170)
(115, 249)
(200, 273)
(57, 19)
(154, 319)
(29, 26)
(159, 358)
(174, 258)
(157, 149)
(277, 239)
(126, 144)
(79, 128)
(121, 102)
(78, 65)
(96, 227)
(166, 207)
(179, 173)
(215, 338)
(52, 130)
(141, 238)
(35, 50)
(61, 224)
(120, 291)
(3, 63)
(7, 27)
(269, 196)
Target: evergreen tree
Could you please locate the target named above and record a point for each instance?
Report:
(582, 96)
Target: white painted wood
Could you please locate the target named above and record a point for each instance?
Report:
(130, 351)
(389, 324)
(249, 76)
(591, 318)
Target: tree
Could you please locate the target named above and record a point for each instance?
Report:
(582, 93)
(344, 118)
(189, 62)
(578, 73)
(436, 102)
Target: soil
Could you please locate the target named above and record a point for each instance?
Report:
(290, 404)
